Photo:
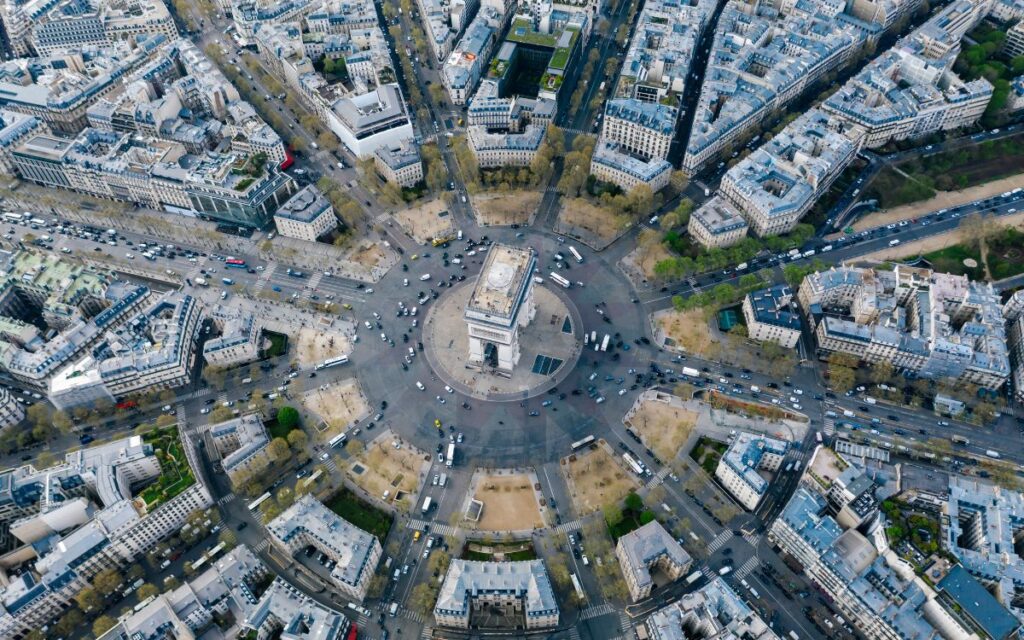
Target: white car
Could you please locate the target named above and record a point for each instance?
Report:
(419, 385)
(204, 410)
(368, 325)
(441, 400)
(449, 389)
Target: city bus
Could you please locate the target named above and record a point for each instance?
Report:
(633, 464)
(579, 588)
(235, 263)
(585, 442)
(12, 217)
(255, 504)
(336, 440)
(560, 280)
(575, 254)
(331, 362)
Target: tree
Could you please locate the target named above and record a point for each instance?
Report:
(88, 600)
(423, 598)
(62, 421)
(285, 497)
(297, 440)
(102, 624)
(355, 448)
(841, 379)
(288, 417)
(634, 502)
(882, 372)
(69, 622)
(106, 582)
(135, 572)
(220, 414)
(278, 449)
(377, 584)
(147, 590)
(165, 420)
(612, 514)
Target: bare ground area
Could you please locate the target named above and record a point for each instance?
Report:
(689, 331)
(934, 243)
(382, 468)
(662, 427)
(368, 255)
(583, 219)
(316, 346)
(595, 480)
(509, 503)
(423, 223)
(514, 207)
(341, 404)
(649, 252)
(942, 200)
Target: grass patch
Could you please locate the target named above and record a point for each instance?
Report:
(707, 453)
(175, 473)
(891, 189)
(362, 514)
(1005, 257)
(277, 430)
(517, 556)
(278, 344)
(951, 260)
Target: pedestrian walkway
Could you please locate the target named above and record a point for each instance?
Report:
(427, 632)
(625, 623)
(435, 527)
(223, 500)
(314, 282)
(264, 278)
(596, 610)
(747, 567)
(752, 539)
(574, 634)
(415, 616)
(719, 541)
(708, 573)
(566, 527)
(658, 477)
(830, 426)
(331, 465)
(262, 545)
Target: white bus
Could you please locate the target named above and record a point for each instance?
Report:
(585, 442)
(560, 280)
(336, 440)
(255, 504)
(693, 577)
(579, 588)
(12, 217)
(633, 464)
(332, 362)
(575, 254)
(605, 341)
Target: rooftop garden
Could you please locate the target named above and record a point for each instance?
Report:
(551, 81)
(498, 68)
(360, 513)
(175, 473)
(522, 31)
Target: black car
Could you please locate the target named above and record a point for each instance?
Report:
(242, 525)
(894, 418)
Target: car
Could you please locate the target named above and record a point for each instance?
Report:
(449, 389)
(436, 479)
(440, 457)
(459, 438)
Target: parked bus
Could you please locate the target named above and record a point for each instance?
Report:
(579, 588)
(585, 442)
(693, 577)
(255, 504)
(336, 440)
(817, 436)
(560, 280)
(575, 254)
(332, 362)
(13, 217)
(633, 464)
(235, 263)
(960, 440)
(605, 341)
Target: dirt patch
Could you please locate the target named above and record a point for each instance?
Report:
(509, 503)
(649, 252)
(368, 255)
(517, 207)
(595, 480)
(689, 331)
(596, 226)
(382, 468)
(662, 427)
(339, 405)
(314, 346)
(942, 200)
(908, 250)
(424, 222)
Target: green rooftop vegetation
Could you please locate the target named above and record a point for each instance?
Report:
(551, 81)
(175, 473)
(522, 31)
(498, 68)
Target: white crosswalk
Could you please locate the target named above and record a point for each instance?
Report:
(719, 541)
(426, 632)
(574, 634)
(415, 616)
(597, 610)
(264, 278)
(435, 527)
(566, 527)
(314, 282)
(658, 477)
(261, 546)
(625, 623)
(752, 539)
(708, 573)
(830, 426)
(331, 465)
(747, 567)
(223, 500)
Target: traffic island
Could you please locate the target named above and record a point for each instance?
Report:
(596, 479)
(662, 422)
(507, 501)
(387, 468)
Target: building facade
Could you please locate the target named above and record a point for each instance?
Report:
(738, 468)
(520, 589)
(642, 551)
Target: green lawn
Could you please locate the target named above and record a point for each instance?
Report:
(1005, 257)
(278, 344)
(951, 260)
(362, 514)
(175, 475)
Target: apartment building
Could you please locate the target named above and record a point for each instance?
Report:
(307, 215)
(874, 589)
(11, 411)
(372, 120)
(760, 61)
(521, 590)
(747, 455)
(353, 552)
(507, 149)
(250, 16)
(399, 164)
(642, 128)
(717, 224)
(713, 612)
(1013, 46)
(776, 185)
(1013, 314)
(224, 187)
(644, 550)
(771, 315)
(612, 163)
(15, 128)
(241, 444)
(156, 349)
(934, 325)
(283, 607)
(467, 61)
(65, 26)
(911, 90)
(240, 338)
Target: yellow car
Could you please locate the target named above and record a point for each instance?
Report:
(415, 256)
(437, 423)
(415, 536)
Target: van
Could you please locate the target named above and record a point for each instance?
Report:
(893, 243)
(459, 234)
(755, 389)
(848, 413)
(425, 277)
